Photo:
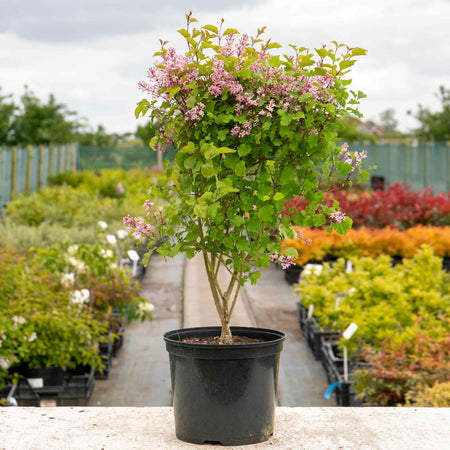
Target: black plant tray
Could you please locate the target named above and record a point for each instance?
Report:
(118, 341)
(106, 353)
(76, 390)
(315, 334)
(334, 368)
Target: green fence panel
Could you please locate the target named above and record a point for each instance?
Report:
(421, 165)
(5, 182)
(98, 158)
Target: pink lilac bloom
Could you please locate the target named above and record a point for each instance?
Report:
(274, 257)
(140, 228)
(149, 206)
(120, 190)
(307, 241)
(286, 261)
(338, 217)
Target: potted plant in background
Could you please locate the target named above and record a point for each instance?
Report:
(252, 130)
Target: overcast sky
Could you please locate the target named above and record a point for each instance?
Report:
(91, 53)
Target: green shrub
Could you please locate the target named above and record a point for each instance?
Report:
(437, 396)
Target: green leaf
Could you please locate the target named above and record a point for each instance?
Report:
(358, 51)
(211, 28)
(254, 276)
(346, 64)
(266, 213)
(243, 244)
(278, 196)
(319, 220)
(240, 169)
(208, 170)
(222, 135)
(287, 175)
(244, 149)
(237, 221)
(184, 33)
(253, 225)
(189, 162)
(200, 211)
(263, 261)
(291, 251)
(285, 120)
(274, 45)
(274, 61)
(230, 31)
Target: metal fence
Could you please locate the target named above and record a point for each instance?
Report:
(136, 157)
(420, 165)
(26, 169)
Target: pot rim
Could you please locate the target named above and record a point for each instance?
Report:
(278, 337)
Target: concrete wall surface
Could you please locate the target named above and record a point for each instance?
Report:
(153, 428)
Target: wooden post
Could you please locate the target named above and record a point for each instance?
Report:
(29, 168)
(13, 171)
(426, 165)
(448, 168)
(40, 166)
(66, 168)
(51, 148)
(58, 159)
(74, 158)
(1, 174)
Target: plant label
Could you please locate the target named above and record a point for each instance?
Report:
(310, 311)
(36, 383)
(348, 266)
(350, 331)
(133, 255)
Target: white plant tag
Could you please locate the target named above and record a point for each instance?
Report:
(350, 331)
(133, 255)
(310, 311)
(47, 402)
(339, 298)
(36, 383)
(348, 266)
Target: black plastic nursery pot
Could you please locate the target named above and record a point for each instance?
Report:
(224, 394)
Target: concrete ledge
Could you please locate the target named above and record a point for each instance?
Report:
(153, 428)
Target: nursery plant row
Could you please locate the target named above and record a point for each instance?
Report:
(380, 330)
(399, 206)
(64, 312)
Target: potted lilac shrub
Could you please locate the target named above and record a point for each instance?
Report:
(253, 129)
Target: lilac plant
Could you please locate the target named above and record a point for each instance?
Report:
(253, 129)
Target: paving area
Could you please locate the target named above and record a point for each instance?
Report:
(140, 373)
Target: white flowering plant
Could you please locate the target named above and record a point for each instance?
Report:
(41, 325)
(253, 129)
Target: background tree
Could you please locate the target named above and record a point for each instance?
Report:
(7, 113)
(388, 121)
(146, 132)
(348, 130)
(40, 123)
(99, 138)
(434, 126)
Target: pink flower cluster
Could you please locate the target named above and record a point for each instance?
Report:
(285, 261)
(141, 229)
(269, 89)
(338, 216)
(357, 158)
